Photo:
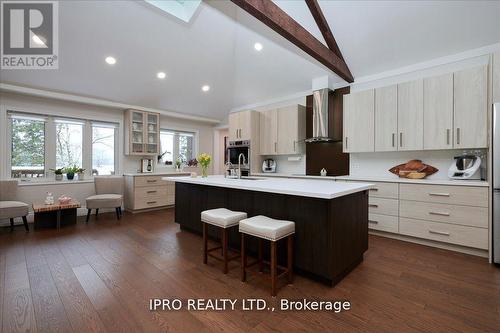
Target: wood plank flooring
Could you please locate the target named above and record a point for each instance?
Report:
(99, 278)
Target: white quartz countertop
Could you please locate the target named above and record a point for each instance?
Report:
(167, 173)
(312, 188)
(389, 179)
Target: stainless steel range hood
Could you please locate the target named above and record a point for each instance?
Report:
(320, 117)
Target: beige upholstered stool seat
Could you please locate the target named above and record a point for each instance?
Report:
(267, 228)
(104, 200)
(222, 217)
(10, 209)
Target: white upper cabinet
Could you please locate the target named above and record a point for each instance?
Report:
(411, 115)
(244, 125)
(291, 129)
(234, 126)
(496, 78)
(359, 126)
(269, 132)
(386, 118)
(470, 108)
(438, 112)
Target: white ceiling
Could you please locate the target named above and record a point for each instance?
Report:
(216, 48)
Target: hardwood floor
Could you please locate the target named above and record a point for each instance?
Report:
(99, 278)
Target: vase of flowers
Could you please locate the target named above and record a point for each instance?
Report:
(204, 160)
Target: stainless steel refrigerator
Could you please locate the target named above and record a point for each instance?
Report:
(496, 183)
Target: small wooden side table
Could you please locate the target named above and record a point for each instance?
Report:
(46, 215)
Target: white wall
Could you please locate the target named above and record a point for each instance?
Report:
(81, 190)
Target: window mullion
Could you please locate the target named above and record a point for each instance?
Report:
(87, 148)
(50, 146)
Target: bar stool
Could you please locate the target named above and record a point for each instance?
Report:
(266, 228)
(224, 219)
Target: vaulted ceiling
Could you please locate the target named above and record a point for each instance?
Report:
(217, 48)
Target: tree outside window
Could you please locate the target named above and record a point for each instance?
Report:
(28, 148)
(176, 146)
(69, 144)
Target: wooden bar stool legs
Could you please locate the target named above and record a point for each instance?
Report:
(205, 243)
(273, 264)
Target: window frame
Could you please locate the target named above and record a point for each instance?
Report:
(177, 131)
(50, 142)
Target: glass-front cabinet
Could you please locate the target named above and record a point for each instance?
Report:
(142, 133)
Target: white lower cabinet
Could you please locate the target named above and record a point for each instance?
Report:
(451, 214)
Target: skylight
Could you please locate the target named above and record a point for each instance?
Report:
(182, 9)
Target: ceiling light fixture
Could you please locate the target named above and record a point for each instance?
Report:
(110, 60)
(161, 75)
(205, 88)
(258, 46)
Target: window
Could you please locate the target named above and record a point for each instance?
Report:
(103, 149)
(27, 147)
(69, 143)
(41, 144)
(176, 145)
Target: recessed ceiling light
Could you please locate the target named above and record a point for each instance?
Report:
(110, 60)
(161, 75)
(205, 88)
(258, 46)
(38, 40)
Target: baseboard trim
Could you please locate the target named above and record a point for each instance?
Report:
(431, 243)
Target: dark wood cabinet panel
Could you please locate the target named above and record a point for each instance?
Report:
(330, 235)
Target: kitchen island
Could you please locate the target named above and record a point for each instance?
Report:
(331, 218)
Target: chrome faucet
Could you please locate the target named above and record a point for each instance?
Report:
(239, 164)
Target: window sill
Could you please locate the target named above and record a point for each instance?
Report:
(54, 182)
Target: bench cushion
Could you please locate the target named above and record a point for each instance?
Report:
(266, 227)
(104, 201)
(11, 209)
(222, 217)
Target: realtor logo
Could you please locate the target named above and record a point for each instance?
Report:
(29, 36)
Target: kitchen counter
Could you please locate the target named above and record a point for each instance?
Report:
(167, 173)
(477, 183)
(331, 218)
(312, 188)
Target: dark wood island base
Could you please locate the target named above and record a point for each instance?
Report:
(331, 235)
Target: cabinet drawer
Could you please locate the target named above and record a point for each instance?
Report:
(454, 214)
(383, 222)
(149, 181)
(142, 202)
(456, 195)
(385, 190)
(444, 232)
(383, 206)
(151, 192)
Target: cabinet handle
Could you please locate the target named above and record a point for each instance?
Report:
(236, 132)
(151, 191)
(401, 139)
(374, 189)
(373, 221)
(152, 181)
(448, 136)
(346, 143)
(151, 202)
(439, 213)
(458, 136)
(240, 133)
(373, 205)
(275, 147)
(294, 146)
(393, 139)
(440, 194)
(439, 233)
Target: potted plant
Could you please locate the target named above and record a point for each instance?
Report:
(81, 173)
(70, 172)
(178, 165)
(58, 173)
(204, 160)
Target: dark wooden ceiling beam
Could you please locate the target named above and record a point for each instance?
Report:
(274, 17)
(323, 26)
